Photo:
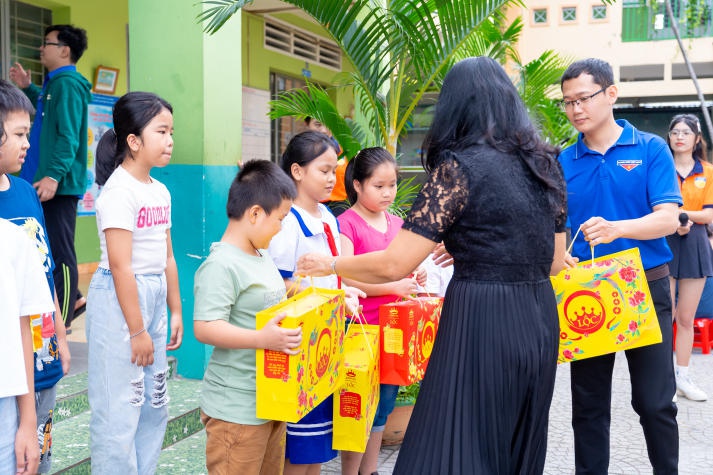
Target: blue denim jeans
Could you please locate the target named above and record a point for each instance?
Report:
(129, 403)
(387, 400)
(8, 429)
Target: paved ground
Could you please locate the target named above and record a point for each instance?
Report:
(628, 451)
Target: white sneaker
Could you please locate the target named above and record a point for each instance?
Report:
(687, 388)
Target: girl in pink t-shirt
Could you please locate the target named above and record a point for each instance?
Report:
(370, 182)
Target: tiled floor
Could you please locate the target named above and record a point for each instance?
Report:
(628, 449)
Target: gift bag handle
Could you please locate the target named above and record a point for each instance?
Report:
(359, 317)
(571, 245)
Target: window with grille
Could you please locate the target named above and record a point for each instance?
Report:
(284, 128)
(302, 44)
(22, 30)
(647, 21)
(539, 15)
(569, 14)
(599, 12)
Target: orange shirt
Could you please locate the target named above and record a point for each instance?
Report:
(339, 193)
(697, 187)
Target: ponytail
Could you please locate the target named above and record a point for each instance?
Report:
(107, 158)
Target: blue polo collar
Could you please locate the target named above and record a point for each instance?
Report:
(696, 170)
(629, 136)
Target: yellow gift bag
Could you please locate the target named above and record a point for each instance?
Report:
(357, 399)
(288, 387)
(604, 306)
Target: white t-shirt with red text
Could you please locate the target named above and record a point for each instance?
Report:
(142, 208)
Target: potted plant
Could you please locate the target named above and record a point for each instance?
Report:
(398, 420)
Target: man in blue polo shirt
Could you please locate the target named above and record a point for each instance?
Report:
(622, 193)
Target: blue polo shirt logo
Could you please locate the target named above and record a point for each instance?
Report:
(629, 165)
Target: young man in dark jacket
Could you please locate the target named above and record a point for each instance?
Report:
(56, 164)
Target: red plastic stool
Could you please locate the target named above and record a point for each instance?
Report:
(702, 336)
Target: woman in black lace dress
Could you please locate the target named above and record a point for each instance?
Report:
(495, 196)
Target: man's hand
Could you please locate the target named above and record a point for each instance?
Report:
(46, 188)
(684, 229)
(19, 76)
(598, 230)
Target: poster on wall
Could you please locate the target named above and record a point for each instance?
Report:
(100, 120)
(256, 124)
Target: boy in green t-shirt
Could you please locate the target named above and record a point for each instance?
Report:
(237, 280)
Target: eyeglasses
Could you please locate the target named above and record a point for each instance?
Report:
(680, 133)
(581, 101)
(51, 43)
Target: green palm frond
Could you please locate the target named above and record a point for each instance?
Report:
(314, 102)
(400, 49)
(369, 108)
(216, 16)
(536, 82)
(405, 194)
(539, 76)
(436, 30)
(493, 39)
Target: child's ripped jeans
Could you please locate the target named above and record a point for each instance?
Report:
(129, 403)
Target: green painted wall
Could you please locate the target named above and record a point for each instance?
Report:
(259, 62)
(201, 77)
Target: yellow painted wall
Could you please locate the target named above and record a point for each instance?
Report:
(105, 22)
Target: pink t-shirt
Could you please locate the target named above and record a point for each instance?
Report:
(367, 239)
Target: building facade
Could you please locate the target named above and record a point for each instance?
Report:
(636, 38)
(219, 86)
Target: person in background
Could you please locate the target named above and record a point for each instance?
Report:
(310, 159)
(127, 325)
(337, 201)
(484, 402)
(237, 280)
(371, 180)
(19, 205)
(692, 256)
(56, 164)
(438, 276)
(622, 193)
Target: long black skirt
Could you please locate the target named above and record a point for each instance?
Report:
(484, 402)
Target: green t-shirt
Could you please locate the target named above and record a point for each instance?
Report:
(233, 286)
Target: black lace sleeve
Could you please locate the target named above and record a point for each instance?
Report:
(561, 211)
(440, 202)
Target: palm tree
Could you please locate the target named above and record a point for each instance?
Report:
(400, 49)
(534, 80)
